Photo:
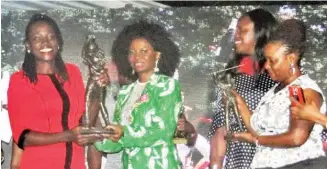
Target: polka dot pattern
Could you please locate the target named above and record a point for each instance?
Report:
(239, 154)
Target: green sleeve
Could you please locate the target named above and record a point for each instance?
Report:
(159, 123)
(108, 146)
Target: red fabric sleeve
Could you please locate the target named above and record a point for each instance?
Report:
(22, 106)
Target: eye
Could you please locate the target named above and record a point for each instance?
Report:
(36, 38)
(130, 53)
(144, 51)
(51, 37)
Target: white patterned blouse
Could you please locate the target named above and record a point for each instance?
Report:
(272, 117)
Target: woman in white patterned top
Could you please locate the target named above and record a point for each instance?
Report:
(282, 140)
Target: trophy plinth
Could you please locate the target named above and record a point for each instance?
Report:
(180, 140)
(90, 131)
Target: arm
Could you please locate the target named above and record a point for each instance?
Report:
(160, 123)
(93, 155)
(218, 148)
(16, 155)
(299, 130)
(218, 130)
(308, 111)
(244, 111)
(22, 117)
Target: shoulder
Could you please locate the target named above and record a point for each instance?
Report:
(71, 68)
(73, 71)
(166, 79)
(18, 78)
(19, 84)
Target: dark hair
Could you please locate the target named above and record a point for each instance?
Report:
(29, 64)
(291, 33)
(159, 39)
(264, 24)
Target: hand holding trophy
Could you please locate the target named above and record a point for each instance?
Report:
(223, 80)
(94, 58)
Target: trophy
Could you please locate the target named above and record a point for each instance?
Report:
(94, 58)
(180, 136)
(225, 82)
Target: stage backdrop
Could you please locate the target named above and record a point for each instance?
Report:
(200, 33)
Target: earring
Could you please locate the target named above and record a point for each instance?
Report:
(133, 71)
(293, 68)
(58, 47)
(28, 51)
(156, 69)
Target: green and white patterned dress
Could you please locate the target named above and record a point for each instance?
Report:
(147, 142)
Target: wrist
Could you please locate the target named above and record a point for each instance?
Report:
(68, 136)
(256, 141)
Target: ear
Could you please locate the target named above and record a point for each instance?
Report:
(291, 58)
(158, 55)
(27, 46)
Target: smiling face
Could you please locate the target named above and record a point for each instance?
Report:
(245, 36)
(142, 57)
(42, 42)
(278, 63)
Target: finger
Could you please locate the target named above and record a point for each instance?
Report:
(294, 102)
(295, 110)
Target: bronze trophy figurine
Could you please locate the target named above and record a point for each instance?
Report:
(225, 82)
(94, 58)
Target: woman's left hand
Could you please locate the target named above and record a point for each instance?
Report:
(244, 136)
(103, 78)
(118, 132)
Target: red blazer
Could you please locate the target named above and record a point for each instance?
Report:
(39, 107)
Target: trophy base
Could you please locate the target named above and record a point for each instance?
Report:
(87, 131)
(180, 140)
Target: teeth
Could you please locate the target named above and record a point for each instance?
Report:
(46, 50)
(237, 42)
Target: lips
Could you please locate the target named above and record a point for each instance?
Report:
(46, 50)
(138, 64)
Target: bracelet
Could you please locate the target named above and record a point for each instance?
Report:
(215, 166)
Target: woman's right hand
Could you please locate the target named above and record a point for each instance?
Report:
(307, 111)
(83, 139)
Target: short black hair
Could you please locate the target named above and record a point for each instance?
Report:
(292, 33)
(29, 64)
(264, 24)
(157, 36)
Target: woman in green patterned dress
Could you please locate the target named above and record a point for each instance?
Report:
(147, 110)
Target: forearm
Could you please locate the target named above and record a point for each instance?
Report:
(285, 140)
(40, 139)
(16, 156)
(93, 158)
(218, 148)
(246, 116)
(320, 119)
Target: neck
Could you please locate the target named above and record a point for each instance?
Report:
(291, 78)
(145, 76)
(45, 68)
